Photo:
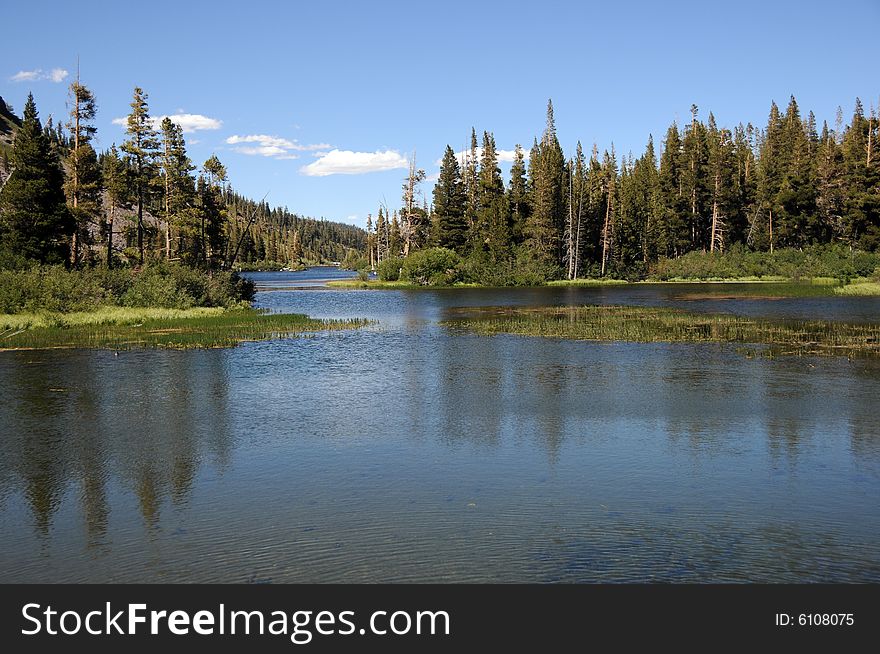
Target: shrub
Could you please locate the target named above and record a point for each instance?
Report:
(389, 269)
(53, 288)
(433, 266)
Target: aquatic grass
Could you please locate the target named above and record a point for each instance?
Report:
(587, 281)
(859, 288)
(651, 324)
(123, 329)
(396, 285)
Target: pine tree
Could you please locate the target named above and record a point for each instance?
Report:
(577, 192)
(795, 200)
(179, 186)
(694, 179)
(115, 180)
(471, 186)
(830, 192)
(83, 184)
(492, 230)
(213, 211)
(395, 240)
(673, 232)
(141, 147)
(609, 170)
(381, 237)
(721, 179)
(547, 190)
(861, 166)
(518, 196)
(34, 220)
(449, 205)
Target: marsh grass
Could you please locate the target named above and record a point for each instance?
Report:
(859, 287)
(650, 325)
(587, 281)
(378, 284)
(122, 329)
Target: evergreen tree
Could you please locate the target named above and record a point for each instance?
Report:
(382, 237)
(492, 227)
(861, 165)
(141, 147)
(795, 200)
(547, 190)
(721, 175)
(83, 184)
(673, 235)
(609, 175)
(449, 205)
(213, 212)
(115, 181)
(694, 180)
(179, 186)
(471, 186)
(34, 220)
(518, 196)
(395, 240)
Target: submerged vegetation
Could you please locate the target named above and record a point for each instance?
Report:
(123, 329)
(651, 324)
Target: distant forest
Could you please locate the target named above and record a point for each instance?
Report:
(141, 202)
(790, 184)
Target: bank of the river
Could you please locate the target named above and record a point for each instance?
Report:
(126, 328)
(383, 285)
(782, 286)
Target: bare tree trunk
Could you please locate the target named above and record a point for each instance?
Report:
(167, 203)
(771, 231)
(110, 237)
(74, 241)
(569, 232)
(605, 235)
(715, 211)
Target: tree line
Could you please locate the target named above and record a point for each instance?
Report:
(790, 184)
(61, 202)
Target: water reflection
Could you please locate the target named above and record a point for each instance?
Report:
(73, 420)
(403, 452)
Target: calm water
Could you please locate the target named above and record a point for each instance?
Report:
(405, 453)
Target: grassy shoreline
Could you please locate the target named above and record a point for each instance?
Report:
(652, 325)
(822, 285)
(121, 328)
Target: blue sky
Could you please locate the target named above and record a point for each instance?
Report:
(295, 96)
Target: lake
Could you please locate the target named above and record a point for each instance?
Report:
(405, 452)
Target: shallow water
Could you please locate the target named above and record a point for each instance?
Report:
(404, 452)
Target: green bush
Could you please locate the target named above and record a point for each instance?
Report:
(814, 261)
(431, 267)
(389, 269)
(53, 288)
(354, 260)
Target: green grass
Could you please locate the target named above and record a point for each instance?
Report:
(648, 325)
(859, 287)
(127, 328)
(378, 284)
(586, 282)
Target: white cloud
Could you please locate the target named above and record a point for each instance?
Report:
(346, 162)
(272, 146)
(188, 122)
(55, 75)
(504, 156)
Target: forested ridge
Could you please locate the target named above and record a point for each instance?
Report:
(790, 184)
(706, 188)
(139, 202)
